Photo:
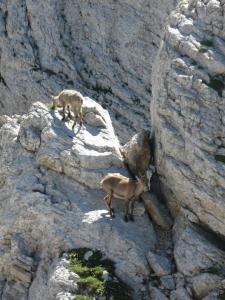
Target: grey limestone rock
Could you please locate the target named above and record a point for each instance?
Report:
(157, 210)
(188, 110)
(51, 203)
(157, 294)
(160, 264)
(204, 283)
(167, 282)
(194, 252)
(105, 49)
(180, 294)
(137, 153)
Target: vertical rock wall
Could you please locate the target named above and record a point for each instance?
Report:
(188, 111)
(104, 49)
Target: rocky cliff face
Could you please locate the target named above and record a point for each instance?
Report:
(105, 50)
(188, 111)
(51, 201)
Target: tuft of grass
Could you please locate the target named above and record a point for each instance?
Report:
(222, 296)
(217, 83)
(213, 270)
(119, 290)
(90, 272)
(207, 43)
(82, 297)
(220, 158)
(51, 106)
(92, 284)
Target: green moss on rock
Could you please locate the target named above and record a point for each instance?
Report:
(220, 158)
(207, 43)
(91, 281)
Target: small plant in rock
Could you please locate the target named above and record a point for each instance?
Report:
(82, 297)
(51, 106)
(220, 158)
(91, 281)
(222, 296)
(217, 83)
(213, 270)
(207, 43)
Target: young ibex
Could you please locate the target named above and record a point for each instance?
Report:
(122, 187)
(71, 100)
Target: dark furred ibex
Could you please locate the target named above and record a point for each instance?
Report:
(122, 187)
(72, 101)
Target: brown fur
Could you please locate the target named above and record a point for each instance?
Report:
(122, 187)
(70, 100)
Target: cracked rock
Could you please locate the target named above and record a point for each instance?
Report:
(159, 264)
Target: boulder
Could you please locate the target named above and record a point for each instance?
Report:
(137, 153)
(157, 294)
(204, 283)
(180, 294)
(157, 210)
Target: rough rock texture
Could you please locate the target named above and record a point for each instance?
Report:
(104, 49)
(180, 294)
(60, 280)
(137, 153)
(51, 202)
(188, 110)
(195, 252)
(204, 283)
(159, 264)
(156, 294)
(167, 282)
(157, 210)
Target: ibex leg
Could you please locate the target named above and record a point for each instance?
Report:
(132, 200)
(126, 211)
(108, 201)
(64, 112)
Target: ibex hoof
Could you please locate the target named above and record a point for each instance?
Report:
(125, 219)
(112, 213)
(132, 218)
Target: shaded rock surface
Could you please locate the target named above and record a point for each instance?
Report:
(195, 252)
(104, 49)
(188, 110)
(157, 210)
(160, 264)
(51, 202)
(204, 283)
(156, 294)
(137, 153)
(180, 294)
